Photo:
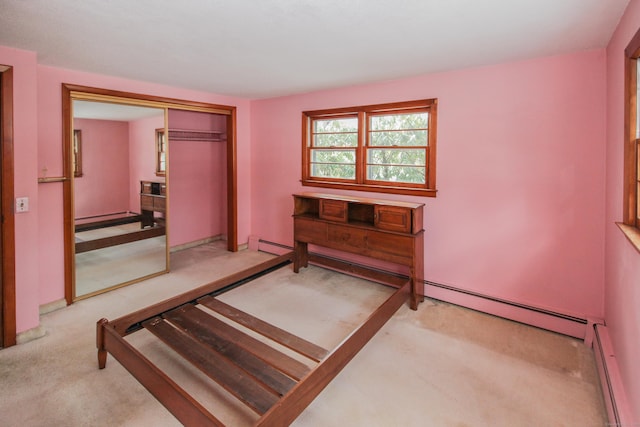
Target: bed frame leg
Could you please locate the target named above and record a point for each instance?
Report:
(417, 293)
(300, 255)
(102, 352)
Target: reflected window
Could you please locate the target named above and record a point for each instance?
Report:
(161, 152)
(77, 152)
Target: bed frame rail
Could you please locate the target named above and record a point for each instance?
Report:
(272, 383)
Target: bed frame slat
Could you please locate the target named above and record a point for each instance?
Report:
(215, 366)
(187, 318)
(295, 343)
(282, 362)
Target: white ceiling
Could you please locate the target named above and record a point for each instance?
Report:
(266, 48)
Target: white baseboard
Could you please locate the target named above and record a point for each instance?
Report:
(195, 243)
(30, 334)
(52, 306)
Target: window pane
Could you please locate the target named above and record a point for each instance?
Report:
(401, 138)
(410, 174)
(336, 125)
(397, 165)
(333, 164)
(335, 140)
(397, 157)
(323, 170)
(333, 156)
(399, 121)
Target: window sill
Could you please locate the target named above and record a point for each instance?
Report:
(632, 234)
(372, 188)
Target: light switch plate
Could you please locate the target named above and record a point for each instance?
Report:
(22, 204)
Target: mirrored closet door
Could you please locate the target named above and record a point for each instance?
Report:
(116, 187)
(119, 194)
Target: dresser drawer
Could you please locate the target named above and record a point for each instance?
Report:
(309, 231)
(333, 210)
(388, 246)
(346, 237)
(393, 218)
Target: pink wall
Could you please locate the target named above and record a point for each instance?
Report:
(622, 284)
(520, 206)
(201, 166)
(103, 187)
(25, 148)
(142, 155)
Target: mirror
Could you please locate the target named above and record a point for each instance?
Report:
(119, 196)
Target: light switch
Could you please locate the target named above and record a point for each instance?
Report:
(22, 204)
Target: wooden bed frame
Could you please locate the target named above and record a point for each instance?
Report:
(274, 385)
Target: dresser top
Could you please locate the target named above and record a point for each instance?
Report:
(353, 199)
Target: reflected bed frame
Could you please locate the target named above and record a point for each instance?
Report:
(274, 385)
(118, 239)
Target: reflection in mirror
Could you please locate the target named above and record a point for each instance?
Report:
(119, 201)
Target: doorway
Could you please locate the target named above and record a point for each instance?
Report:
(7, 239)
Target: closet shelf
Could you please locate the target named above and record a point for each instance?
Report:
(197, 135)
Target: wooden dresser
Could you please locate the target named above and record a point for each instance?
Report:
(153, 198)
(382, 229)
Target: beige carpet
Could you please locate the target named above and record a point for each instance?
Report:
(440, 366)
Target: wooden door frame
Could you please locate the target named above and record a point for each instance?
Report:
(171, 103)
(8, 249)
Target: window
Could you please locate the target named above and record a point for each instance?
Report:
(161, 152)
(389, 148)
(77, 152)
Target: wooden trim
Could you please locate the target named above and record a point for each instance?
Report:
(373, 108)
(371, 188)
(630, 196)
(232, 183)
(77, 91)
(8, 309)
(163, 102)
(67, 195)
(631, 233)
(431, 152)
(361, 149)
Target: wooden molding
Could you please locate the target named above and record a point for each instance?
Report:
(8, 308)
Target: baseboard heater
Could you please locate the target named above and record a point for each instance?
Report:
(612, 388)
